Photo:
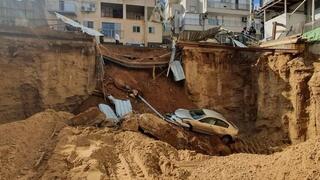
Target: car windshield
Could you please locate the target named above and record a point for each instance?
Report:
(197, 113)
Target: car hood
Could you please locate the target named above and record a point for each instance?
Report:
(183, 114)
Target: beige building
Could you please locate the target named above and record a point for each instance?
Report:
(127, 18)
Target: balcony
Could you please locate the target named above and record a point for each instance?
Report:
(67, 7)
(231, 6)
(111, 10)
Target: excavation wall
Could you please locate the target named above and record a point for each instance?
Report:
(42, 70)
(276, 95)
(288, 96)
(222, 79)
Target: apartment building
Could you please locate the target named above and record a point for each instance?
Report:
(204, 14)
(295, 16)
(28, 13)
(127, 18)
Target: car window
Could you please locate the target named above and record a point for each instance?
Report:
(197, 113)
(221, 123)
(208, 121)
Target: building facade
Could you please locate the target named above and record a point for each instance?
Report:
(127, 18)
(294, 16)
(204, 14)
(28, 13)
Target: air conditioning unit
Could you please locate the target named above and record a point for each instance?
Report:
(88, 7)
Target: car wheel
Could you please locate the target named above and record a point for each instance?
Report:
(226, 139)
(190, 127)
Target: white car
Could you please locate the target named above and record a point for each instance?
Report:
(205, 121)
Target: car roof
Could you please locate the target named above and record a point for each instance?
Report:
(214, 114)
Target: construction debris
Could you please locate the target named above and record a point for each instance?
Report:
(123, 107)
(177, 70)
(75, 24)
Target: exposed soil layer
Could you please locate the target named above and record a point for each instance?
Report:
(162, 92)
(222, 79)
(104, 153)
(274, 96)
(37, 73)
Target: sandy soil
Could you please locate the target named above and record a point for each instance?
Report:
(23, 143)
(104, 153)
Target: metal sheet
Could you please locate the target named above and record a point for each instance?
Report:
(177, 70)
(238, 43)
(73, 23)
(123, 107)
(105, 109)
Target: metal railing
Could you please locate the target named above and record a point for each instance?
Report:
(110, 33)
(191, 21)
(223, 22)
(228, 5)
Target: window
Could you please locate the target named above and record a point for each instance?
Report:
(317, 4)
(136, 29)
(196, 113)
(88, 24)
(111, 10)
(152, 30)
(193, 9)
(221, 123)
(208, 121)
(61, 5)
(107, 12)
(110, 29)
(193, 5)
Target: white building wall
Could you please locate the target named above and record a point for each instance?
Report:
(285, 19)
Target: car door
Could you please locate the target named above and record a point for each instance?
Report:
(205, 125)
(220, 127)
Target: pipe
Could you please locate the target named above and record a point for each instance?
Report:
(298, 7)
(313, 12)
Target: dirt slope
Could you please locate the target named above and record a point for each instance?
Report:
(43, 70)
(162, 92)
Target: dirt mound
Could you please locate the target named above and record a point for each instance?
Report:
(104, 154)
(108, 154)
(23, 143)
(30, 149)
(301, 161)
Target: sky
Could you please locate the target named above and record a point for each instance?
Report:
(256, 3)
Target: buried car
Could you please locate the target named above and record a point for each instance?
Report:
(205, 121)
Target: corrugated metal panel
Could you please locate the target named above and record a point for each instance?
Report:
(123, 107)
(108, 112)
(199, 35)
(177, 70)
